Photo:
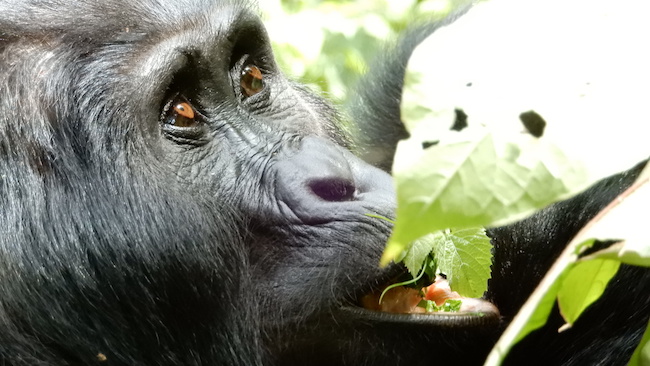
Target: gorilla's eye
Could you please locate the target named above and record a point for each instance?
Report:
(251, 80)
(180, 113)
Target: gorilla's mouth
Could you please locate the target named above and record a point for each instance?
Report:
(406, 305)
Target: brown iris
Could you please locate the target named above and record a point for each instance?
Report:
(251, 80)
(180, 113)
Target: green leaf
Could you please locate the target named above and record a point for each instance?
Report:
(476, 178)
(428, 305)
(449, 306)
(421, 248)
(465, 257)
(452, 306)
(584, 283)
(577, 103)
(496, 76)
(641, 356)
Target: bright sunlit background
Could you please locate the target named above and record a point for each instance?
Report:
(328, 44)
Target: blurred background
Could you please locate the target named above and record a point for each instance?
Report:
(329, 44)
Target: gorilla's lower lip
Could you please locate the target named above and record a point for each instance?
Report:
(458, 320)
(400, 306)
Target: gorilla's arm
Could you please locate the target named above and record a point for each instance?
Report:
(375, 105)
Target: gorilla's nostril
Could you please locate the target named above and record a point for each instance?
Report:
(333, 189)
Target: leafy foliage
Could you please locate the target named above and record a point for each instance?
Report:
(583, 284)
(578, 282)
(450, 306)
(521, 148)
(462, 255)
(473, 178)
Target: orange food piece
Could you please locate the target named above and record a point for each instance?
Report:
(405, 300)
(439, 291)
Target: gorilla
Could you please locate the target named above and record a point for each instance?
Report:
(170, 198)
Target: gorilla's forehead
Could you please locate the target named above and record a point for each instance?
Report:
(102, 19)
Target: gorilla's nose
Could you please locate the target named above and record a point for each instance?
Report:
(333, 188)
(321, 181)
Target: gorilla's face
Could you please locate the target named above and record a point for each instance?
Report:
(171, 192)
(233, 130)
